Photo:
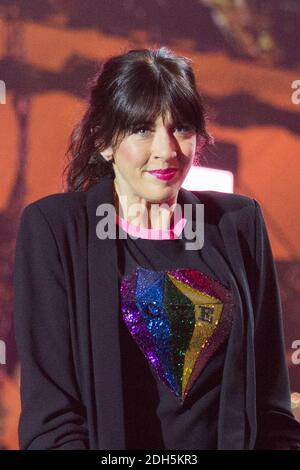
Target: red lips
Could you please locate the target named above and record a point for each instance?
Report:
(165, 175)
(164, 171)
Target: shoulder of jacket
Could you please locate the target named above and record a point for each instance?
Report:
(58, 204)
(225, 202)
(225, 210)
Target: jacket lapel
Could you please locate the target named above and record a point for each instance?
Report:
(104, 322)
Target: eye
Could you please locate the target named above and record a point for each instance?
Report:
(183, 128)
(137, 130)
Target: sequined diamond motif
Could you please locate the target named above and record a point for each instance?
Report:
(179, 319)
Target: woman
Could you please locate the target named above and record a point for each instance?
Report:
(146, 338)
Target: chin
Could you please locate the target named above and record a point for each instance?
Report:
(160, 196)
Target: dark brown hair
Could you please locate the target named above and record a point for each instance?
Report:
(128, 90)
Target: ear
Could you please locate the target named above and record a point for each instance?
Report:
(107, 153)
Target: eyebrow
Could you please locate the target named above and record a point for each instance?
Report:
(152, 123)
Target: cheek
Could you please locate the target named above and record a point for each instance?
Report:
(188, 147)
(187, 153)
(131, 155)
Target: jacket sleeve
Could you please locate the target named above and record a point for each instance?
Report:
(277, 427)
(52, 414)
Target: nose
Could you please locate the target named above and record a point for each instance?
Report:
(164, 145)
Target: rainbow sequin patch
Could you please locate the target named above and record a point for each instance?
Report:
(178, 319)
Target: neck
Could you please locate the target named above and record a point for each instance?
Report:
(148, 216)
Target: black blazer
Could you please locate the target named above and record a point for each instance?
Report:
(66, 312)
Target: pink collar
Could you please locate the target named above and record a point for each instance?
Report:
(152, 234)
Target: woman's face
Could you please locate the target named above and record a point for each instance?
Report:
(150, 148)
